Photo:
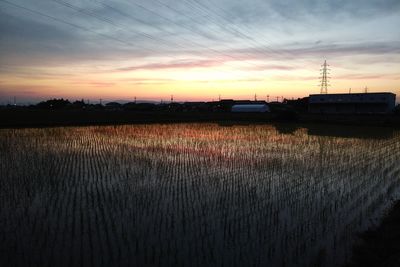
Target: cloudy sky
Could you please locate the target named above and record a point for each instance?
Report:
(195, 49)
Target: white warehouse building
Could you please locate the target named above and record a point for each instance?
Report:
(250, 108)
(363, 103)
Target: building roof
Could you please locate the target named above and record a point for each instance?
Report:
(383, 97)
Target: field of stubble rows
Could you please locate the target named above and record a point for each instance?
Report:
(189, 195)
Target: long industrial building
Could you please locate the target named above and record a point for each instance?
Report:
(364, 103)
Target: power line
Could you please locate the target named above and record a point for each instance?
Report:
(225, 55)
(81, 27)
(88, 13)
(188, 28)
(109, 21)
(69, 23)
(78, 26)
(224, 26)
(228, 23)
(92, 14)
(159, 28)
(106, 20)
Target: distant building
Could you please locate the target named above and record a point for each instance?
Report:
(250, 108)
(363, 103)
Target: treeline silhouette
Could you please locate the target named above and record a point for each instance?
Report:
(62, 112)
(225, 105)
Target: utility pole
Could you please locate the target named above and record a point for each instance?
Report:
(101, 101)
(366, 90)
(267, 98)
(219, 97)
(255, 97)
(350, 90)
(135, 99)
(324, 78)
(277, 99)
(172, 98)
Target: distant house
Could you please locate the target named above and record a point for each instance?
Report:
(363, 103)
(113, 106)
(250, 108)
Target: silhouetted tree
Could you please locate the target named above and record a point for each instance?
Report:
(79, 104)
(54, 104)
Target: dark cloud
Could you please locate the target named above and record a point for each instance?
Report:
(322, 51)
(377, 48)
(25, 90)
(30, 39)
(367, 76)
(173, 65)
(144, 81)
(294, 77)
(93, 83)
(269, 67)
(268, 35)
(324, 10)
(34, 73)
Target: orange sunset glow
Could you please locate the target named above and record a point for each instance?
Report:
(203, 51)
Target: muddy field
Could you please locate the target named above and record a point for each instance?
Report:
(190, 194)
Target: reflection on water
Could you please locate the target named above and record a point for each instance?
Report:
(190, 194)
(363, 132)
(345, 131)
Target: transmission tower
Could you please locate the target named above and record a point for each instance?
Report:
(324, 78)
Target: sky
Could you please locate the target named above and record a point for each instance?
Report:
(195, 50)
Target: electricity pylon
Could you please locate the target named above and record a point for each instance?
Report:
(324, 78)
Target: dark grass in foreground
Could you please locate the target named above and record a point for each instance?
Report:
(10, 118)
(380, 246)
